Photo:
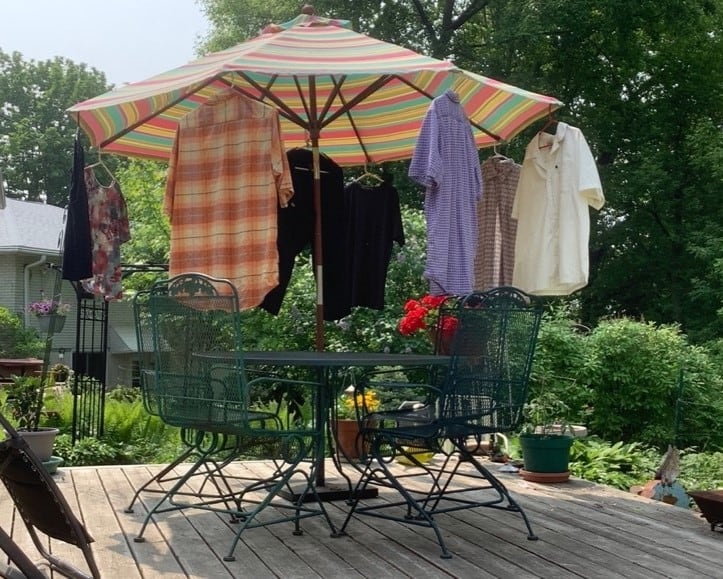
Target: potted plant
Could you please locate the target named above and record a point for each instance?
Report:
(50, 313)
(546, 440)
(347, 425)
(422, 315)
(61, 373)
(23, 401)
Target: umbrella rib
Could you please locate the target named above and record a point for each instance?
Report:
(335, 91)
(265, 91)
(431, 97)
(371, 89)
(144, 120)
(303, 101)
(351, 121)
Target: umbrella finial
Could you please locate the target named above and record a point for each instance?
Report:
(307, 9)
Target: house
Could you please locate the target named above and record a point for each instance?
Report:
(30, 258)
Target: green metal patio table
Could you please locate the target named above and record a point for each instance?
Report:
(329, 364)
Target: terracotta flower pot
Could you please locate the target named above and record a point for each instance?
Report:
(347, 438)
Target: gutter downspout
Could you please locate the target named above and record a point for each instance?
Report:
(26, 288)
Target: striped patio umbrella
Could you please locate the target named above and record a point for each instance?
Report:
(355, 98)
(365, 99)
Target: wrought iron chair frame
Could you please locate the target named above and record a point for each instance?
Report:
(193, 440)
(470, 399)
(205, 389)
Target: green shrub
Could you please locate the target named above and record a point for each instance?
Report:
(86, 452)
(635, 384)
(562, 365)
(701, 471)
(618, 465)
(15, 340)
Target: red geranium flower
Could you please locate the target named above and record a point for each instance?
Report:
(422, 314)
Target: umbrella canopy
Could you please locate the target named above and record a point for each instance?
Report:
(357, 99)
(365, 98)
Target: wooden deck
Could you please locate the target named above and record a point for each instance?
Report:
(584, 530)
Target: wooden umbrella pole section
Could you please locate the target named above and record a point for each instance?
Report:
(314, 130)
(318, 256)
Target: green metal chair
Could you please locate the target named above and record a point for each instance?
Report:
(199, 384)
(482, 392)
(189, 438)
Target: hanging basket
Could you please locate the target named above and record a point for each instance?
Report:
(44, 322)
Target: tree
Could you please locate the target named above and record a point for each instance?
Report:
(641, 79)
(143, 190)
(422, 25)
(36, 134)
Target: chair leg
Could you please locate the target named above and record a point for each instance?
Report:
(281, 480)
(512, 504)
(22, 567)
(417, 513)
(168, 497)
(159, 478)
(440, 496)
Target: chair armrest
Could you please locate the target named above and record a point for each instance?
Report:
(395, 400)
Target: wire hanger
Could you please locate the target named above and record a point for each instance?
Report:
(101, 164)
(368, 174)
(497, 154)
(551, 120)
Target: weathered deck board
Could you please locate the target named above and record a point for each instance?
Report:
(584, 530)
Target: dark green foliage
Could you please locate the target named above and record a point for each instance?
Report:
(635, 384)
(619, 465)
(15, 340)
(36, 148)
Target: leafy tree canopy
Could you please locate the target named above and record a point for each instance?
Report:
(641, 79)
(36, 134)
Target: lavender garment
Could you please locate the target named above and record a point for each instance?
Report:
(445, 162)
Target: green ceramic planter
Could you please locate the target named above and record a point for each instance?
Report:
(545, 452)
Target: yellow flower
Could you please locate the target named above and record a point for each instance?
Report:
(368, 402)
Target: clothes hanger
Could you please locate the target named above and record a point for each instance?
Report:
(102, 165)
(370, 175)
(307, 147)
(497, 155)
(551, 123)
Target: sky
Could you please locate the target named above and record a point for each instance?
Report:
(128, 40)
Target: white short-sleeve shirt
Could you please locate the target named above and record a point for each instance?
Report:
(558, 181)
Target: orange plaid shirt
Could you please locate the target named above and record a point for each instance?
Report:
(227, 174)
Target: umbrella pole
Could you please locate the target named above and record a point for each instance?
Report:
(318, 256)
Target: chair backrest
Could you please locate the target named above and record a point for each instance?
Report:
(144, 356)
(491, 360)
(194, 321)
